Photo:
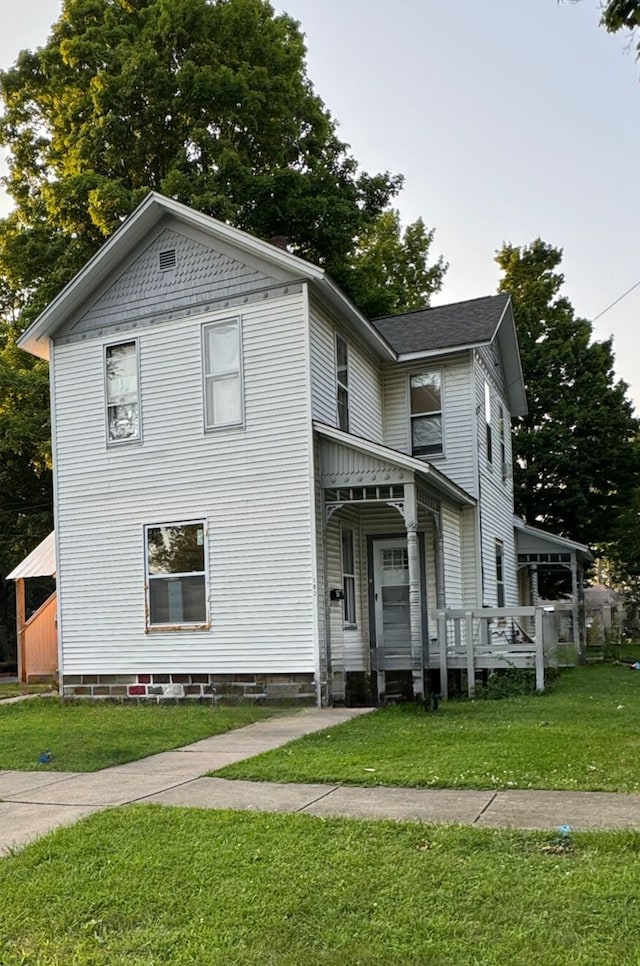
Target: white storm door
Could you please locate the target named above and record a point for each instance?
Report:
(392, 615)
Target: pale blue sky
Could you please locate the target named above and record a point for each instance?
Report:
(509, 118)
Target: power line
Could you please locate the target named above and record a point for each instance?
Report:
(619, 299)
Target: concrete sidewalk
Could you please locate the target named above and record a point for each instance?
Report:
(33, 803)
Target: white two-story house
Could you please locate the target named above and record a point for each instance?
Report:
(257, 489)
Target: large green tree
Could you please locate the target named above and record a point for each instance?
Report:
(209, 102)
(576, 464)
(619, 15)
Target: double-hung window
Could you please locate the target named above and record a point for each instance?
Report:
(122, 391)
(176, 572)
(426, 414)
(342, 383)
(222, 374)
(348, 578)
(487, 419)
(500, 572)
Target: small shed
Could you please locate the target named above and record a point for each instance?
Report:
(37, 636)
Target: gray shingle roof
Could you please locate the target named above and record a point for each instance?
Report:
(454, 325)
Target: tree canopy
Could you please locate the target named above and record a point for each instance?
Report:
(576, 460)
(208, 102)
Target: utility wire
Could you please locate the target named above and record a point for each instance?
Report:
(619, 299)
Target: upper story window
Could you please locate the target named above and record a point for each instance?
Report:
(426, 414)
(123, 397)
(176, 574)
(342, 383)
(487, 418)
(222, 374)
(503, 444)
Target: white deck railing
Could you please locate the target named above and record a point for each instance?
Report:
(491, 638)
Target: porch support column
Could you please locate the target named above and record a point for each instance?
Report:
(440, 594)
(534, 585)
(20, 622)
(415, 595)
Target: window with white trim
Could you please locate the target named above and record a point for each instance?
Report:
(500, 572)
(176, 574)
(222, 365)
(348, 578)
(342, 383)
(122, 392)
(487, 419)
(426, 414)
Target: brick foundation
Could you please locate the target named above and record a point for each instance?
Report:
(210, 688)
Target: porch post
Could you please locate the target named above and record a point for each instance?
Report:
(20, 622)
(440, 594)
(415, 594)
(534, 585)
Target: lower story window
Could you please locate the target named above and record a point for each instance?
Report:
(348, 578)
(176, 574)
(500, 572)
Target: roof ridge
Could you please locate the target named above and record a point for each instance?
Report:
(445, 305)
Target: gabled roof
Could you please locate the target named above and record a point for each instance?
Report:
(456, 325)
(137, 228)
(429, 332)
(41, 562)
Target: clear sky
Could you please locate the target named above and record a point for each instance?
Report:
(510, 119)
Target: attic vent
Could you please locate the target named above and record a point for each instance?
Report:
(167, 260)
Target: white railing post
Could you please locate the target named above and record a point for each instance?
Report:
(442, 641)
(539, 639)
(471, 666)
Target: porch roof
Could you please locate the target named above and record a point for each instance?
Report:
(408, 465)
(532, 540)
(41, 562)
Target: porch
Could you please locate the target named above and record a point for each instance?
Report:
(395, 534)
(401, 582)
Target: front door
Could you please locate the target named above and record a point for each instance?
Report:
(391, 598)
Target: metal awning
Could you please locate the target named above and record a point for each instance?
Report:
(41, 562)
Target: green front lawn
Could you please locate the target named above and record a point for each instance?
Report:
(150, 885)
(92, 735)
(584, 734)
(15, 690)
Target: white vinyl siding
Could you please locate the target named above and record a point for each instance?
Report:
(365, 380)
(250, 486)
(495, 492)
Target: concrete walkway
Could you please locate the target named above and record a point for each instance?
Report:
(33, 803)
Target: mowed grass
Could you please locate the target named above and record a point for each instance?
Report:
(152, 885)
(17, 689)
(584, 734)
(91, 735)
